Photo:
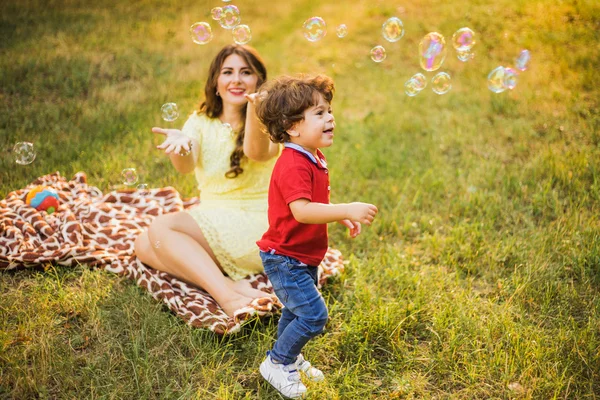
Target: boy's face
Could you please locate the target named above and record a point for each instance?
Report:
(316, 129)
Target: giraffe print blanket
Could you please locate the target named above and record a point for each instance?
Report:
(99, 230)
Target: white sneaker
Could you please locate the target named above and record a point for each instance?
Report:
(312, 373)
(284, 378)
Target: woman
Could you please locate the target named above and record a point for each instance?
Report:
(213, 245)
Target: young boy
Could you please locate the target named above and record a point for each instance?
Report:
(297, 112)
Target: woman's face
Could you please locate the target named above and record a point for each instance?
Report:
(236, 79)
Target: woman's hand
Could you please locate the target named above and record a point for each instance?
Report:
(175, 141)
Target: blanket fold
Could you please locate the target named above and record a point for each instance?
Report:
(99, 230)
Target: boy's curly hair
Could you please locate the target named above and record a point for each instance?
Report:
(287, 98)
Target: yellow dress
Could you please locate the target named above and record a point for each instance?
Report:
(232, 212)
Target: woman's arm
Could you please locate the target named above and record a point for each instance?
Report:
(185, 161)
(257, 145)
(182, 150)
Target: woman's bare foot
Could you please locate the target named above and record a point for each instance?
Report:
(244, 288)
(232, 305)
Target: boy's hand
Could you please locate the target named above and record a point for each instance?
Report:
(361, 212)
(353, 226)
(255, 98)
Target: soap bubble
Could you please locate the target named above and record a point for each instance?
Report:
(463, 39)
(465, 56)
(441, 83)
(392, 29)
(24, 153)
(432, 51)
(241, 34)
(129, 176)
(169, 112)
(341, 31)
(201, 32)
(230, 17)
(410, 88)
(510, 78)
(216, 13)
(378, 54)
(314, 29)
(496, 80)
(420, 81)
(142, 189)
(522, 61)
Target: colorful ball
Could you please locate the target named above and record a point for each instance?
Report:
(43, 199)
(32, 193)
(49, 204)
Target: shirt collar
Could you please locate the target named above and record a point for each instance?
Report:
(302, 150)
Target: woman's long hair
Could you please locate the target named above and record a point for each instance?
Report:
(212, 106)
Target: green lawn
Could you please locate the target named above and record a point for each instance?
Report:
(479, 279)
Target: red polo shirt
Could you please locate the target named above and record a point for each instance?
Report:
(297, 175)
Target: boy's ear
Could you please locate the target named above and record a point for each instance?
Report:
(293, 132)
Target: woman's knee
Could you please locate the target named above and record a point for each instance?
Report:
(180, 223)
(143, 245)
(160, 224)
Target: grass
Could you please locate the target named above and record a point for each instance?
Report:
(480, 277)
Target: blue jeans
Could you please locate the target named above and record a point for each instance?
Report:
(305, 313)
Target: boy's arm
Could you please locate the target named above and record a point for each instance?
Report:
(308, 212)
(257, 145)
